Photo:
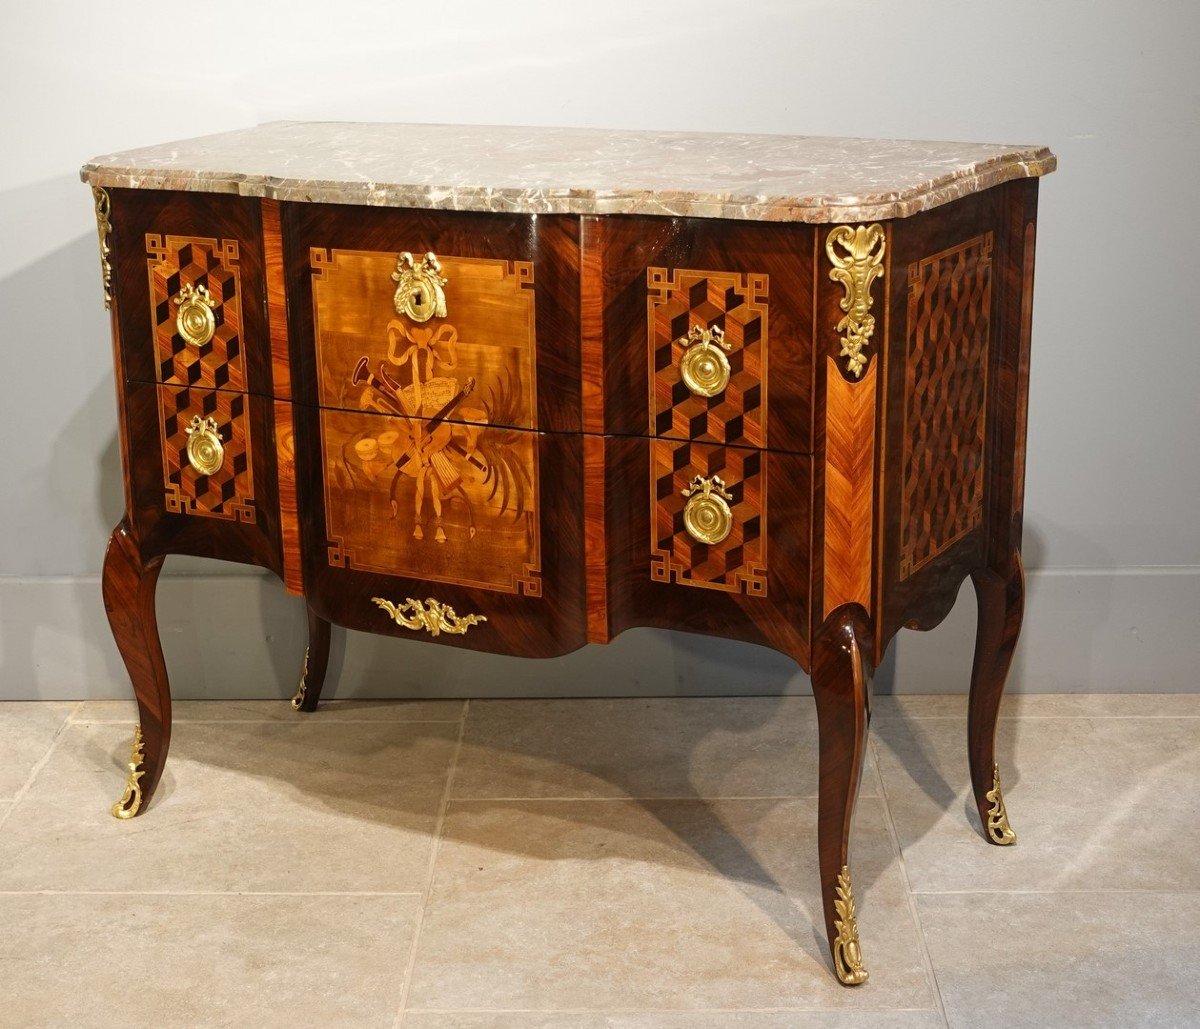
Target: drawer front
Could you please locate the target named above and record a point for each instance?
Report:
(207, 453)
(485, 518)
(709, 538)
(705, 330)
(195, 294)
(709, 507)
(707, 342)
(202, 472)
(472, 318)
(189, 285)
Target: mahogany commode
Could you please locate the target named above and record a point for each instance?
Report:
(517, 390)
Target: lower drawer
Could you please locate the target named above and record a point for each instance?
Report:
(399, 521)
(710, 539)
(202, 472)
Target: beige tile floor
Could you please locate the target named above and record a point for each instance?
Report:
(594, 863)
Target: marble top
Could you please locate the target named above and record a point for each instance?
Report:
(575, 171)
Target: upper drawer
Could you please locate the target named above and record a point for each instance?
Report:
(700, 330)
(189, 288)
(469, 317)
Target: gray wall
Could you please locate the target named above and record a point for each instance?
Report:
(1114, 481)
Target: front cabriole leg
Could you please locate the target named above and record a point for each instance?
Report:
(841, 681)
(1001, 606)
(128, 587)
(316, 661)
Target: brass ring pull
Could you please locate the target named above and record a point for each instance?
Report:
(195, 322)
(706, 515)
(420, 292)
(205, 451)
(704, 367)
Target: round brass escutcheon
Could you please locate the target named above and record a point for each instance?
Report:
(195, 321)
(705, 370)
(707, 518)
(205, 451)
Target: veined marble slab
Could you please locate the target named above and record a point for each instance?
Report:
(575, 171)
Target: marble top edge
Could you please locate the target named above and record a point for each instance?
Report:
(516, 169)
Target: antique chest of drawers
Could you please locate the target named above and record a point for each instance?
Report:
(521, 389)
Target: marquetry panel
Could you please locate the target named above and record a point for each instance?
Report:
(451, 502)
(475, 365)
(681, 299)
(739, 563)
(849, 487)
(945, 392)
(175, 262)
(226, 493)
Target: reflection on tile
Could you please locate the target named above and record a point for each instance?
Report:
(710, 747)
(1105, 803)
(279, 711)
(795, 1019)
(1063, 960)
(114, 961)
(1043, 705)
(27, 728)
(243, 806)
(594, 905)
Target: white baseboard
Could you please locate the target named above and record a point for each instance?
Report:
(242, 637)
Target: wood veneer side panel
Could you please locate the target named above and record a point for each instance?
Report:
(882, 361)
(1011, 404)
(591, 312)
(119, 372)
(944, 306)
(846, 433)
(595, 538)
(281, 368)
(558, 347)
(281, 379)
(289, 511)
(849, 503)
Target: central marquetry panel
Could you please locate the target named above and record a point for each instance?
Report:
(475, 364)
(945, 399)
(450, 502)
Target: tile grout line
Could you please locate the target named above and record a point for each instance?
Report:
(1080, 716)
(207, 893)
(1113, 892)
(909, 896)
(434, 851)
(278, 721)
(662, 1011)
(705, 798)
(41, 763)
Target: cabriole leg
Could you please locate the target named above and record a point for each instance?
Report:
(128, 587)
(841, 680)
(1001, 606)
(316, 661)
